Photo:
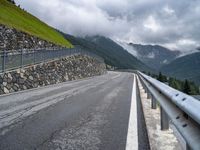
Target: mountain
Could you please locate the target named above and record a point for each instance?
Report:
(113, 54)
(154, 56)
(186, 67)
(14, 17)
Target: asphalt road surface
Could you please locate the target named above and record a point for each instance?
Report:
(88, 114)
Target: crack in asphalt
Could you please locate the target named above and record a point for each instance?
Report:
(85, 133)
(10, 116)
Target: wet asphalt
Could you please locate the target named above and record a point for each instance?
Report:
(91, 114)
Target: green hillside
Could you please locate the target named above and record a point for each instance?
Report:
(186, 67)
(13, 16)
(111, 52)
(154, 56)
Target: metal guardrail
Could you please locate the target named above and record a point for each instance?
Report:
(10, 60)
(181, 109)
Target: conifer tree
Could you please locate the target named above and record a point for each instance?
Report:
(186, 87)
(11, 1)
(160, 77)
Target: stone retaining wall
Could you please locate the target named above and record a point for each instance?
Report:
(67, 69)
(12, 39)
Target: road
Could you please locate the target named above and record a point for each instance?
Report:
(88, 114)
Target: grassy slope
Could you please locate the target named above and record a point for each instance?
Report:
(12, 16)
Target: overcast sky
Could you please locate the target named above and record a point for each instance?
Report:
(171, 23)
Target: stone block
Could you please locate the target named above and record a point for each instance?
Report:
(5, 90)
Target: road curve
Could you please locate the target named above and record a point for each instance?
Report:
(88, 114)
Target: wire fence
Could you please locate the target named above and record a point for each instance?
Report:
(10, 60)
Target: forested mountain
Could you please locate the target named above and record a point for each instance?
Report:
(186, 67)
(113, 54)
(155, 56)
(185, 86)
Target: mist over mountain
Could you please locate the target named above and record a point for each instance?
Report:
(174, 24)
(155, 56)
(113, 54)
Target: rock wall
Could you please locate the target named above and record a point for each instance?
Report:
(12, 39)
(57, 71)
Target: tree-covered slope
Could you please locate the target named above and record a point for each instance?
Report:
(186, 67)
(112, 53)
(154, 56)
(14, 17)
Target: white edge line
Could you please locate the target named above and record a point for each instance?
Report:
(132, 135)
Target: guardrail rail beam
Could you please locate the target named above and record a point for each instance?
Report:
(182, 110)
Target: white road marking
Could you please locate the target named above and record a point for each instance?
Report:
(132, 136)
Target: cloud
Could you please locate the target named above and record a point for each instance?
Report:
(151, 24)
(168, 10)
(174, 24)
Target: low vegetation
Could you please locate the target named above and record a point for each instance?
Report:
(185, 86)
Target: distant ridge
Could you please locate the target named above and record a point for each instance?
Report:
(186, 67)
(155, 56)
(113, 54)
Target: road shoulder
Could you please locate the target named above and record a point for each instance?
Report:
(159, 140)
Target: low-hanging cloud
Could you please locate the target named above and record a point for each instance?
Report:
(174, 24)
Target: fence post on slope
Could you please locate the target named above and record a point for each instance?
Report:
(3, 60)
(34, 57)
(21, 58)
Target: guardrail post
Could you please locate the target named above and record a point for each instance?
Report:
(187, 147)
(145, 89)
(153, 102)
(164, 119)
(148, 95)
